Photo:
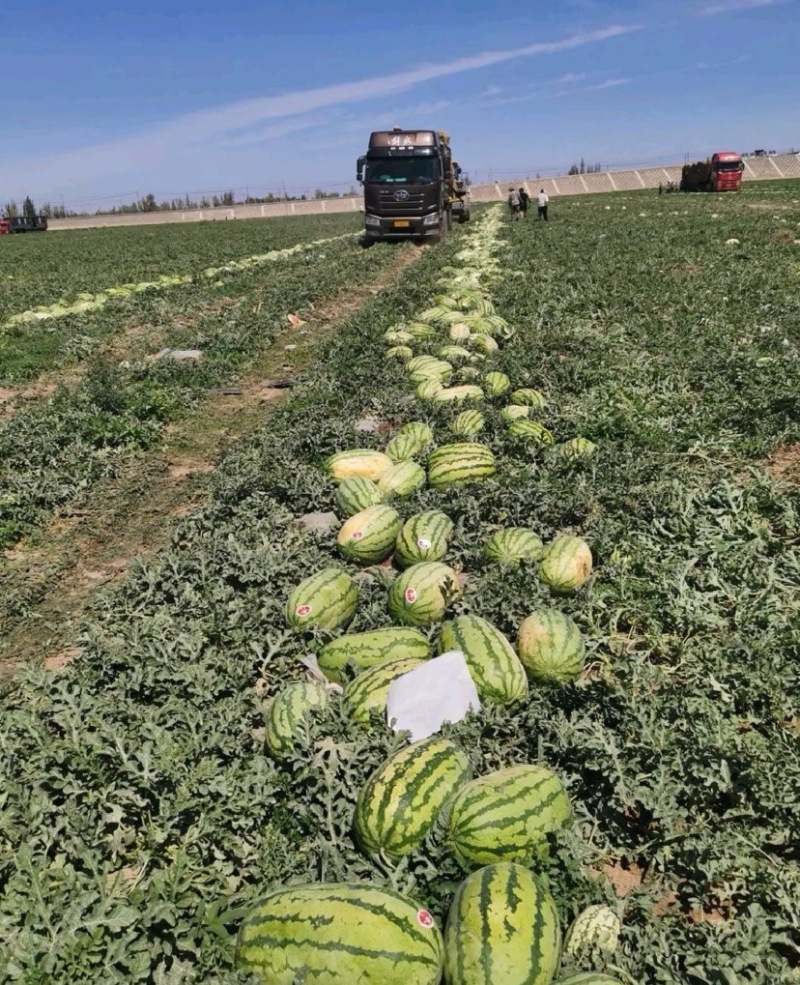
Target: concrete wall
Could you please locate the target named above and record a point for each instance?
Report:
(756, 168)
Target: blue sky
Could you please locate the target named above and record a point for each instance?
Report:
(166, 97)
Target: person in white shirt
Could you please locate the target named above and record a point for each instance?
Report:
(541, 202)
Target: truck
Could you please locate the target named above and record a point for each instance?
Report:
(22, 224)
(413, 189)
(722, 172)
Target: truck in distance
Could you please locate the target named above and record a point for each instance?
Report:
(413, 189)
(722, 172)
(22, 224)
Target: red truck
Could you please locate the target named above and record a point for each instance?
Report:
(721, 173)
(22, 224)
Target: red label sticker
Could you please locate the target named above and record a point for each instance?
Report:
(423, 543)
(411, 595)
(425, 919)
(357, 535)
(303, 610)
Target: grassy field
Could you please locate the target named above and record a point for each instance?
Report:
(141, 814)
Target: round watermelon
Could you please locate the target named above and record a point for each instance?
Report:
(289, 714)
(403, 479)
(531, 432)
(551, 646)
(514, 412)
(529, 398)
(593, 936)
(423, 538)
(356, 494)
(468, 423)
(421, 594)
(512, 546)
(369, 536)
(401, 353)
(566, 564)
(576, 448)
(496, 384)
(325, 600)
(459, 464)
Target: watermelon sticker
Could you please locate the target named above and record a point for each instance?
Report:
(411, 595)
(302, 610)
(424, 918)
(357, 535)
(423, 543)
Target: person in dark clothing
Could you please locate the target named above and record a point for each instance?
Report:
(514, 203)
(524, 198)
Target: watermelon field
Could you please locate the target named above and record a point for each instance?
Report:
(567, 452)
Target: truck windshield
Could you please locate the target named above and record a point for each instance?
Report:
(402, 171)
(729, 165)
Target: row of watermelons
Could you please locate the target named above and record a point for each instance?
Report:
(503, 925)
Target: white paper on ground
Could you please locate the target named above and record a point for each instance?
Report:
(439, 691)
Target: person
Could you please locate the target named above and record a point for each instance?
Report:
(541, 202)
(524, 198)
(513, 202)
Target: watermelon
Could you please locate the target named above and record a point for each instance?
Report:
(370, 649)
(459, 394)
(419, 330)
(400, 352)
(356, 494)
(588, 978)
(438, 369)
(418, 430)
(530, 431)
(550, 646)
(468, 423)
(566, 564)
(397, 337)
(483, 343)
(423, 538)
(402, 479)
(494, 667)
(428, 389)
(508, 815)
(468, 374)
(358, 461)
(369, 536)
(339, 934)
(513, 545)
(514, 412)
(593, 936)
(502, 929)
(496, 384)
(459, 464)
(454, 354)
(460, 332)
(404, 447)
(419, 362)
(369, 691)
(529, 398)
(576, 448)
(288, 715)
(421, 594)
(325, 600)
(400, 803)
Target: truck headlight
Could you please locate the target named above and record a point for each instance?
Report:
(431, 220)
(372, 220)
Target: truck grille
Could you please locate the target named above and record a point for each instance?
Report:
(413, 205)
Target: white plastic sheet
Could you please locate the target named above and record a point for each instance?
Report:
(439, 691)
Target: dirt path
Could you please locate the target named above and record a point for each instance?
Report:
(49, 580)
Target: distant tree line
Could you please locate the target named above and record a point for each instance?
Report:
(584, 168)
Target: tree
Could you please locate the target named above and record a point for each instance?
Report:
(11, 210)
(28, 208)
(573, 169)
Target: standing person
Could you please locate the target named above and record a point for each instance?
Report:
(513, 202)
(524, 198)
(541, 202)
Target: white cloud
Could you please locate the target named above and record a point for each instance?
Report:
(186, 136)
(569, 77)
(726, 6)
(608, 84)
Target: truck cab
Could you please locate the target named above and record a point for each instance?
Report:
(726, 171)
(412, 187)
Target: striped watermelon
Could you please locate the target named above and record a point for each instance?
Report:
(358, 461)
(421, 331)
(356, 494)
(460, 332)
(459, 394)
(494, 667)
(369, 691)
(566, 564)
(339, 934)
(401, 353)
(401, 801)
(419, 362)
(514, 412)
(454, 354)
(365, 650)
(468, 423)
(588, 978)
(404, 447)
(423, 538)
(593, 936)
(369, 536)
(502, 929)
(458, 464)
(325, 600)
(576, 448)
(530, 431)
(403, 479)
(496, 384)
(397, 337)
(508, 815)
(438, 369)
(421, 594)
(418, 430)
(529, 398)
(550, 646)
(483, 343)
(513, 545)
(288, 716)
(428, 389)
